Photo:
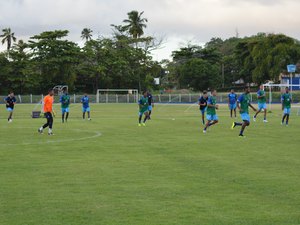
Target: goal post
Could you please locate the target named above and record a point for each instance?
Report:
(279, 88)
(117, 96)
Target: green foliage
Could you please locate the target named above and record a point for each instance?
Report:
(57, 58)
(8, 37)
(124, 60)
(199, 74)
(264, 56)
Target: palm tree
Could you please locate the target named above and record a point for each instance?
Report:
(8, 37)
(86, 34)
(20, 46)
(135, 24)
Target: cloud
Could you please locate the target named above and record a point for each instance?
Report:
(174, 19)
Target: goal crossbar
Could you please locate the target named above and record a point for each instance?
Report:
(107, 92)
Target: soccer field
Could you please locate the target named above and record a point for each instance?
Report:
(110, 171)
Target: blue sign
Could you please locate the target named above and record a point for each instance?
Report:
(291, 68)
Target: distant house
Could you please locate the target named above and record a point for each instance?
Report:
(295, 80)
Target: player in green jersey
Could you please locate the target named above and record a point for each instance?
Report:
(243, 104)
(211, 115)
(65, 102)
(143, 108)
(286, 100)
(262, 105)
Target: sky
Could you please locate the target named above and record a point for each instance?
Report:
(176, 22)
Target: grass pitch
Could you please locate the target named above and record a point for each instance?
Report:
(110, 171)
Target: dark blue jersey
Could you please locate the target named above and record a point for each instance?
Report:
(203, 100)
(150, 99)
(10, 102)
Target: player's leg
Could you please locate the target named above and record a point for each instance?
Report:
(140, 117)
(40, 130)
(246, 122)
(234, 110)
(207, 123)
(10, 112)
(234, 124)
(258, 111)
(202, 115)
(215, 120)
(265, 113)
(67, 114)
(287, 116)
(146, 116)
(62, 115)
(283, 118)
(149, 111)
(287, 119)
(244, 125)
(209, 119)
(83, 112)
(50, 124)
(89, 113)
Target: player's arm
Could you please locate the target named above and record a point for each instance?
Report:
(6, 101)
(201, 104)
(238, 105)
(282, 104)
(140, 104)
(212, 106)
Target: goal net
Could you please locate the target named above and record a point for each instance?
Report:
(274, 92)
(60, 89)
(117, 96)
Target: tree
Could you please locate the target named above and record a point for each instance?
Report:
(8, 37)
(264, 56)
(199, 74)
(135, 24)
(86, 34)
(57, 58)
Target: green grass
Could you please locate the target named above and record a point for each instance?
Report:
(110, 171)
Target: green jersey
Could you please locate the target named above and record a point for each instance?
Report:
(286, 100)
(262, 94)
(65, 101)
(244, 101)
(143, 102)
(211, 110)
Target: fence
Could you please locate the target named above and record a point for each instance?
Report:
(160, 98)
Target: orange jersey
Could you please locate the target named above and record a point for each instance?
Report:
(48, 102)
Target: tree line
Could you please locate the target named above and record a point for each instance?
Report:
(124, 60)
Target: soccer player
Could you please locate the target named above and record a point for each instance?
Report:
(65, 102)
(232, 98)
(10, 104)
(286, 100)
(262, 105)
(211, 115)
(85, 106)
(48, 103)
(143, 108)
(243, 104)
(202, 102)
(150, 104)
